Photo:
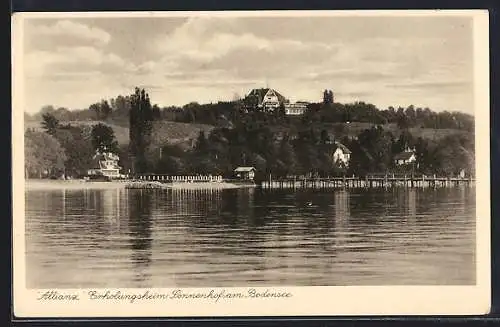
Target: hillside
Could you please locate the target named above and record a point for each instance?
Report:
(355, 128)
(183, 133)
(177, 133)
(163, 131)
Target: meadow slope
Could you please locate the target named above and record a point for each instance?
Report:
(163, 131)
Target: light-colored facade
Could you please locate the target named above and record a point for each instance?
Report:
(295, 109)
(341, 154)
(265, 99)
(271, 100)
(245, 173)
(105, 164)
(406, 157)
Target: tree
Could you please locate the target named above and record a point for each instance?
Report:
(425, 156)
(95, 109)
(140, 129)
(404, 142)
(171, 160)
(105, 110)
(120, 108)
(44, 155)
(201, 146)
(103, 138)
(324, 137)
(280, 112)
(78, 149)
(327, 97)
(156, 112)
(50, 123)
(287, 160)
(375, 147)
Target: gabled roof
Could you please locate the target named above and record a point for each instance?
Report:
(404, 155)
(99, 158)
(105, 156)
(261, 93)
(342, 147)
(244, 169)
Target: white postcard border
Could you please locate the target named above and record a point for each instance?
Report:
(346, 300)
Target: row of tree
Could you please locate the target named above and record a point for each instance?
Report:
(228, 113)
(115, 110)
(404, 117)
(311, 153)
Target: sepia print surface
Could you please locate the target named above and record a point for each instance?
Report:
(251, 163)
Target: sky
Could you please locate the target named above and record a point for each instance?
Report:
(388, 61)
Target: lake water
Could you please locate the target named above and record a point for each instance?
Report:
(213, 238)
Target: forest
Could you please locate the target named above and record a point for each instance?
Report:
(272, 142)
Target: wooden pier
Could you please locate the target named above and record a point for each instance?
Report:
(368, 182)
(180, 179)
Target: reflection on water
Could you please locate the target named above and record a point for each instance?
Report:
(164, 238)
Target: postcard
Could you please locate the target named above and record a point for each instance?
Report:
(251, 163)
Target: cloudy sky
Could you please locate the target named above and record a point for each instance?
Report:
(424, 61)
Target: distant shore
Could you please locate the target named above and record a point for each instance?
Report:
(45, 184)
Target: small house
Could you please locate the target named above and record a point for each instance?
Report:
(341, 154)
(245, 173)
(406, 157)
(105, 164)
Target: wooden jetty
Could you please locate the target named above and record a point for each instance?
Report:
(180, 179)
(368, 182)
(330, 182)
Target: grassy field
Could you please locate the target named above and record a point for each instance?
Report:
(163, 131)
(177, 133)
(121, 132)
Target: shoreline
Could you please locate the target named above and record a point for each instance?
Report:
(41, 184)
(48, 185)
(183, 186)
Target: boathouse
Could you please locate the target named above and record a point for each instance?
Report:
(245, 173)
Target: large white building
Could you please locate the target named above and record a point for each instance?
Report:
(297, 108)
(266, 99)
(269, 100)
